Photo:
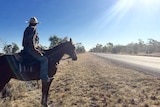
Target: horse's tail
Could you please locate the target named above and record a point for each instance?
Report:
(4, 76)
(2, 86)
(3, 82)
(4, 79)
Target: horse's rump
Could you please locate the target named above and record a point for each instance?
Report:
(24, 66)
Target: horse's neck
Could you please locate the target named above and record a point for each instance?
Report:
(55, 55)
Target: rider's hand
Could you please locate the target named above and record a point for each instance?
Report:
(41, 54)
(38, 51)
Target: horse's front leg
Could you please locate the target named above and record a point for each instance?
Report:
(45, 90)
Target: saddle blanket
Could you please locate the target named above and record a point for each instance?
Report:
(23, 68)
(22, 64)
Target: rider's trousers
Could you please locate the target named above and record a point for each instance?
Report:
(43, 64)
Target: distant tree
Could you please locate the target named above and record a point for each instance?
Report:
(105, 49)
(55, 40)
(7, 49)
(11, 48)
(98, 48)
(109, 47)
(152, 46)
(2, 44)
(117, 49)
(142, 46)
(92, 50)
(80, 48)
(15, 48)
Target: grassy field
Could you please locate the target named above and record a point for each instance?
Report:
(89, 82)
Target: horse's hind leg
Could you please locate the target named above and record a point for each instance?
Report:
(45, 90)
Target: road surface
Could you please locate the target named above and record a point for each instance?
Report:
(142, 63)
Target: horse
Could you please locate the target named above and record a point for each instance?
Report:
(12, 66)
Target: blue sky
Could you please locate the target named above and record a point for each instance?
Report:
(86, 21)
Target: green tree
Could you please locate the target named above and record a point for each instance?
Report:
(7, 49)
(11, 48)
(109, 47)
(117, 49)
(98, 48)
(55, 40)
(80, 48)
(104, 49)
(142, 46)
(15, 48)
(153, 46)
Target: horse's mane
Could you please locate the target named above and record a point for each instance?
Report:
(58, 46)
(55, 48)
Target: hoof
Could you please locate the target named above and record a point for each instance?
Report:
(51, 105)
(44, 105)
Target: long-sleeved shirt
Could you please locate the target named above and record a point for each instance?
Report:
(30, 37)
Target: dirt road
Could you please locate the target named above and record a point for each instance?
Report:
(141, 63)
(91, 82)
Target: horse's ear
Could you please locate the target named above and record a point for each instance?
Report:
(70, 40)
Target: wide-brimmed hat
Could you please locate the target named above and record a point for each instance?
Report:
(33, 20)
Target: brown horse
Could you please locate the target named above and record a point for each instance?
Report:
(10, 67)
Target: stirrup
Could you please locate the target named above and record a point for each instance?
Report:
(50, 79)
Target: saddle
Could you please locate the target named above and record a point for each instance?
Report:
(25, 62)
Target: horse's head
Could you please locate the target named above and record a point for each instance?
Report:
(57, 52)
(71, 50)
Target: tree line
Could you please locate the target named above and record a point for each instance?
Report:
(151, 46)
(54, 40)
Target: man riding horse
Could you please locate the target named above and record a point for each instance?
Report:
(30, 38)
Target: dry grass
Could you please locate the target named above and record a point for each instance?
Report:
(90, 82)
